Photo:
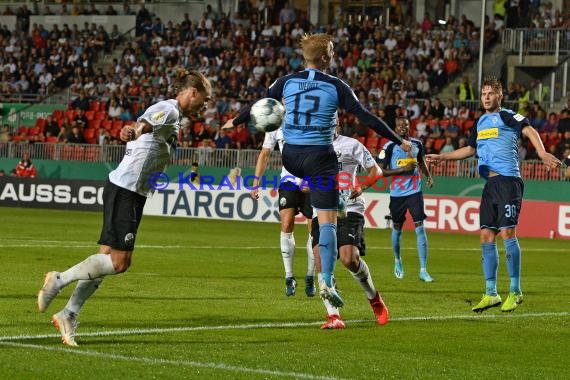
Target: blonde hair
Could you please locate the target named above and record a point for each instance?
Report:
(315, 46)
(494, 83)
(184, 79)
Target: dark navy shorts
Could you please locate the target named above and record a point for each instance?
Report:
(122, 213)
(318, 166)
(501, 202)
(291, 197)
(350, 231)
(414, 203)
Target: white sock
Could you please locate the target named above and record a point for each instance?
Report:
(288, 252)
(310, 257)
(362, 276)
(83, 290)
(331, 310)
(94, 266)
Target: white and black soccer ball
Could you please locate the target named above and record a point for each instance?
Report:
(267, 114)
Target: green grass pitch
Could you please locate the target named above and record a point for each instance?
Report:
(205, 299)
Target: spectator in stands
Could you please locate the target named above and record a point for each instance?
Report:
(551, 124)
(436, 130)
(222, 140)
(80, 119)
(241, 137)
(463, 113)
(51, 128)
(114, 109)
(413, 109)
(448, 146)
(5, 135)
(422, 129)
(452, 130)
(75, 136)
(2, 173)
(464, 91)
(450, 110)
(26, 168)
(287, 14)
(81, 102)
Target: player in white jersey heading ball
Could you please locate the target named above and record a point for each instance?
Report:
(292, 200)
(352, 155)
(151, 144)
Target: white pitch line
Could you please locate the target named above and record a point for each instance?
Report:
(165, 330)
(27, 243)
(158, 361)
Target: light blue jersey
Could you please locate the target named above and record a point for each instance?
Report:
(495, 137)
(311, 99)
(393, 157)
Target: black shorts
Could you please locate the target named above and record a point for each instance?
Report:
(414, 203)
(350, 231)
(318, 165)
(122, 213)
(291, 197)
(501, 202)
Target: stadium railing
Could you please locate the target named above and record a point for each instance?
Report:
(536, 41)
(230, 158)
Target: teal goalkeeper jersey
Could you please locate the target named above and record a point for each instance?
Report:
(495, 137)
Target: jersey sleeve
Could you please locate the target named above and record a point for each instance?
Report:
(363, 156)
(472, 140)
(161, 116)
(514, 120)
(270, 140)
(385, 155)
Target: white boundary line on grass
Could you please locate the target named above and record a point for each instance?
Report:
(165, 330)
(30, 243)
(182, 363)
(10, 341)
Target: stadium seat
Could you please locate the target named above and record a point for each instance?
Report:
(41, 123)
(107, 124)
(51, 140)
(362, 140)
(89, 115)
(34, 131)
(438, 144)
(57, 114)
(117, 124)
(95, 124)
(101, 115)
(70, 114)
(372, 142)
(89, 135)
(467, 124)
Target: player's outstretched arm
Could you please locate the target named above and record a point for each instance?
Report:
(548, 159)
(260, 166)
(458, 154)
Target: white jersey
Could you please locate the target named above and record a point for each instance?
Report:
(351, 155)
(151, 152)
(276, 137)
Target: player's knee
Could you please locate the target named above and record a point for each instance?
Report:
(508, 233)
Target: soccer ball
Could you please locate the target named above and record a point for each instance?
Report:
(267, 114)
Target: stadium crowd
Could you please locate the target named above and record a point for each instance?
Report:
(394, 70)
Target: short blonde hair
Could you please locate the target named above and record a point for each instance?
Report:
(184, 79)
(315, 46)
(494, 83)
